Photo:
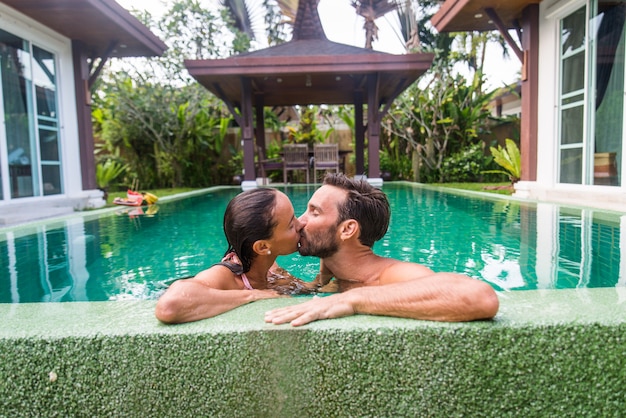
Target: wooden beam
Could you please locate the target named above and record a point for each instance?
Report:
(359, 133)
(83, 114)
(103, 59)
(529, 124)
(373, 126)
(260, 124)
(504, 32)
(231, 107)
(247, 129)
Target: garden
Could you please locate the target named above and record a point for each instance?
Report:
(158, 129)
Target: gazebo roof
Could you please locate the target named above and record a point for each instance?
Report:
(96, 23)
(309, 69)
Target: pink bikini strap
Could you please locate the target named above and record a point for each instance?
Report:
(246, 282)
(232, 258)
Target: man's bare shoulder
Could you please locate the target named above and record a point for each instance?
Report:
(401, 271)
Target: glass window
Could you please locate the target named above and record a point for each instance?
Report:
(572, 125)
(572, 103)
(18, 110)
(608, 103)
(573, 32)
(29, 98)
(571, 161)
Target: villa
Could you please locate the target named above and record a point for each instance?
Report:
(51, 53)
(572, 92)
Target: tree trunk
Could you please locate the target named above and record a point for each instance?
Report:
(415, 165)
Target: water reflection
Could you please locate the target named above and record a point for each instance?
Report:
(135, 256)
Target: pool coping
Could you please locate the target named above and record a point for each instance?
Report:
(527, 308)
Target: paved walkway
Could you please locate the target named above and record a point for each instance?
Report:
(21, 214)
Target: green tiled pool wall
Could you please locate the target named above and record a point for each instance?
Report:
(236, 366)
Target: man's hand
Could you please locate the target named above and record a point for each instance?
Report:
(335, 306)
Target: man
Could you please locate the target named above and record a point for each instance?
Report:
(343, 219)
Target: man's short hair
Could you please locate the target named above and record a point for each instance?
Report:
(365, 204)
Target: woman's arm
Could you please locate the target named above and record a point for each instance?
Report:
(211, 292)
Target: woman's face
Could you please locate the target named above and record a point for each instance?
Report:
(287, 232)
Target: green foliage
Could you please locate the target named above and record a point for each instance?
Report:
(167, 136)
(307, 131)
(436, 120)
(398, 167)
(276, 23)
(509, 159)
(467, 165)
(108, 172)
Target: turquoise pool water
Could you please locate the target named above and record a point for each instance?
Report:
(122, 256)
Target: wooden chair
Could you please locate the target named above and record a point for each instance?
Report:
(264, 164)
(295, 157)
(325, 157)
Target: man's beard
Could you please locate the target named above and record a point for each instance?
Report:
(322, 244)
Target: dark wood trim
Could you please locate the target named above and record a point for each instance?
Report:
(373, 126)
(260, 124)
(103, 60)
(231, 107)
(359, 133)
(83, 116)
(530, 92)
(247, 129)
(504, 32)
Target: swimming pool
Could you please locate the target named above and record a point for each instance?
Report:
(121, 255)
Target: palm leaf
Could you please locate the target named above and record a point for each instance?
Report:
(509, 159)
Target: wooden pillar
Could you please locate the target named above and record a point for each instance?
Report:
(83, 115)
(247, 129)
(373, 127)
(530, 92)
(260, 123)
(359, 134)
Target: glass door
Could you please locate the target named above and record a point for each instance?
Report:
(572, 96)
(607, 105)
(591, 94)
(30, 160)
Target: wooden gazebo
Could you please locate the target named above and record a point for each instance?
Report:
(310, 69)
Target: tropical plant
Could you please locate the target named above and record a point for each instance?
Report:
(106, 173)
(167, 136)
(417, 31)
(509, 159)
(468, 165)
(307, 131)
(435, 120)
(371, 10)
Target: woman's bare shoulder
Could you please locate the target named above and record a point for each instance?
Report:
(218, 277)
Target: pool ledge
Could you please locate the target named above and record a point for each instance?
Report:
(547, 353)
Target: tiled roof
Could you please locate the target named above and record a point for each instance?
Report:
(310, 47)
(308, 24)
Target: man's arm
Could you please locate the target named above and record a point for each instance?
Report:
(437, 297)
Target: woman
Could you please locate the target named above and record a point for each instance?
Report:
(259, 225)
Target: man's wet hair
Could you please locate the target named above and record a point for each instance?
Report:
(364, 203)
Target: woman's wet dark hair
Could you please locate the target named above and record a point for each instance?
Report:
(365, 204)
(249, 217)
